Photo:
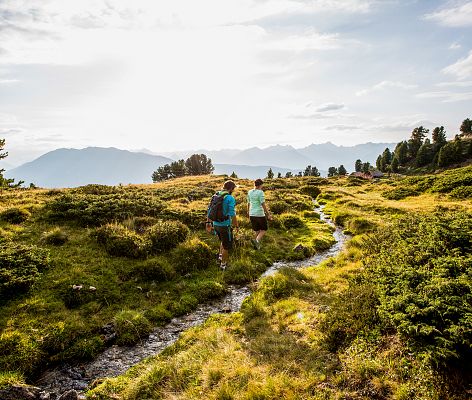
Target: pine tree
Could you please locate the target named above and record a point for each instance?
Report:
(233, 175)
(401, 152)
(288, 174)
(425, 154)
(315, 172)
(279, 175)
(466, 127)
(416, 140)
(270, 173)
(366, 167)
(358, 166)
(439, 136)
(342, 170)
(395, 164)
(332, 171)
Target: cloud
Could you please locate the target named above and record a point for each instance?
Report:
(455, 46)
(329, 107)
(446, 96)
(459, 15)
(460, 84)
(386, 85)
(462, 69)
(342, 127)
(8, 81)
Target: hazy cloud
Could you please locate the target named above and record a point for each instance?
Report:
(386, 85)
(462, 69)
(446, 96)
(342, 127)
(329, 107)
(457, 15)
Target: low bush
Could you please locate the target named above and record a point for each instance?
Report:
(279, 206)
(15, 215)
(18, 352)
(322, 243)
(422, 267)
(360, 225)
(282, 284)
(340, 217)
(121, 242)
(131, 327)
(154, 270)
(311, 215)
(461, 192)
(20, 268)
(301, 205)
(193, 255)
(141, 224)
(354, 312)
(291, 221)
(165, 235)
(84, 349)
(74, 297)
(208, 290)
(158, 314)
(400, 193)
(98, 209)
(243, 271)
(310, 190)
(55, 237)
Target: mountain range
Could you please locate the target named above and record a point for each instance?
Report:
(111, 166)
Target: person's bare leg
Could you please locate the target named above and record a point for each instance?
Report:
(260, 235)
(256, 234)
(224, 255)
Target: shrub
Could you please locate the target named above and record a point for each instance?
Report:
(422, 267)
(243, 271)
(291, 221)
(400, 193)
(279, 206)
(154, 270)
(310, 190)
(208, 289)
(84, 349)
(141, 224)
(282, 284)
(18, 352)
(165, 235)
(75, 297)
(158, 314)
(323, 243)
(119, 241)
(56, 237)
(311, 214)
(98, 209)
(462, 192)
(302, 205)
(131, 327)
(340, 217)
(352, 313)
(20, 268)
(192, 256)
(360, 225)
(15, 215)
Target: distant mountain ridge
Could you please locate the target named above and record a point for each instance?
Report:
(111, 166)
(322, 155)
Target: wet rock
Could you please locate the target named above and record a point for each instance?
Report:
(69, 395)
(299, 247)
(19, 392)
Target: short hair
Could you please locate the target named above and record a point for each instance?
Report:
(258, 182)
(229, 185)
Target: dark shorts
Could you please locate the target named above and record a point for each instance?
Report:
(225, 235)
(259, 223)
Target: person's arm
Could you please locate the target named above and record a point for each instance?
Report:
(266, 211)
(234, 222)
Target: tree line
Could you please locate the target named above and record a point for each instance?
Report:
(196, 164)
(420, 151)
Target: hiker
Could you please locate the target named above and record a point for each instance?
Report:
(221, 217)
(258, 212)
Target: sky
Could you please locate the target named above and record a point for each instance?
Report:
(183, 74)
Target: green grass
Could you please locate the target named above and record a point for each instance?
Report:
(132, 270)
(324, 332)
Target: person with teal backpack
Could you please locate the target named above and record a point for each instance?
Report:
(221, 217)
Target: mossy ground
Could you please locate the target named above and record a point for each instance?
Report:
(53, 322)
(279, 347)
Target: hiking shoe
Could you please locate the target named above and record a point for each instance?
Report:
(223, 266)
(255, 244)
(219, 257)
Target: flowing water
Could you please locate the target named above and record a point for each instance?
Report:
(115, 360)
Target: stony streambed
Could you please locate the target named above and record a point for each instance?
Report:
(115, 360)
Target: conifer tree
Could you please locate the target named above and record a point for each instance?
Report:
(270, 173)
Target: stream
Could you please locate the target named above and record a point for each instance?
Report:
(115, 360)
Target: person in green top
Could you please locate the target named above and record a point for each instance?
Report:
(258, 212)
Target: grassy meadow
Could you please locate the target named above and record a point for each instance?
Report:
(75, 260)
(389, 318)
